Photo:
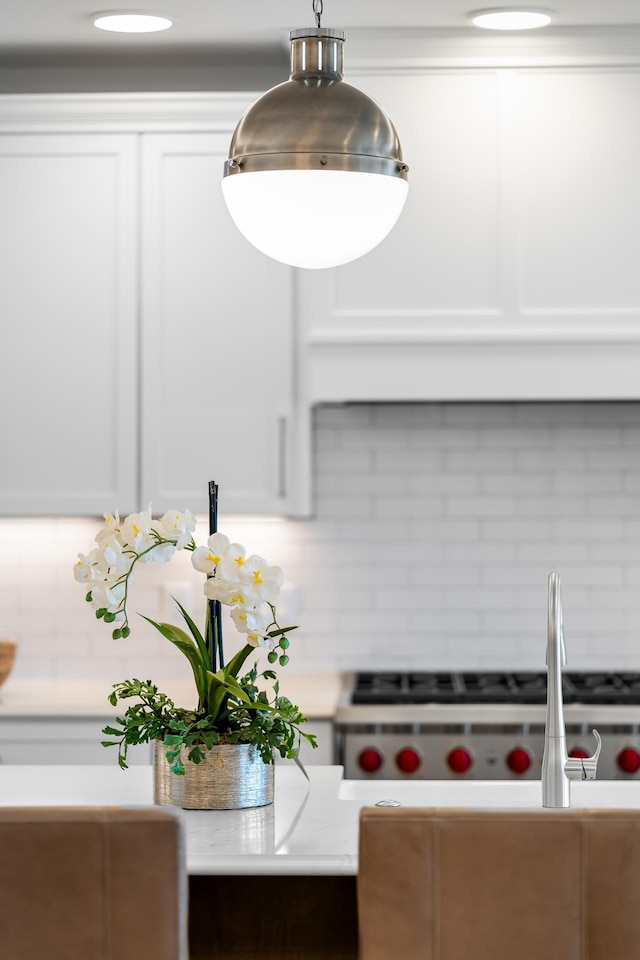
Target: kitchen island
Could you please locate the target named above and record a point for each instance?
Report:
(280, 881)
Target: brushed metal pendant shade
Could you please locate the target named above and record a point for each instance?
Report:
(315, 175)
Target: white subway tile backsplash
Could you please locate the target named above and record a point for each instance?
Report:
(411, 462)
(554, 554)
(509, 483)
(409, 506)
(621, 458)
(480, 506)
(517, 530)
(342, 463)
(445, 530)
(586, 483)
(436, 526)
(479, 460)
(611, 506)
(538, 459)
(611, 530)
(426, 484)
(344, 506)
(480, 553)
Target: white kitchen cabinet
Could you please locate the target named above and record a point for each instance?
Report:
(323, 754)
(511, 273)
(62, 740)
(149, 348)
(217, 340)
(74, 740)
(68, 249)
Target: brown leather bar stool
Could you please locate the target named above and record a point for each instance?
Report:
(92, 883)
(486, 885)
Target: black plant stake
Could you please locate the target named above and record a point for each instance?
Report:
(214, 619)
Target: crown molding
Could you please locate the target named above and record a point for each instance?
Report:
(369, 51)
(122, 112)
(399, 50)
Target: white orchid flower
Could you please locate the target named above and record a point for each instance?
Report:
(107, 595)
(177, 526)
(206, 559)
(232, 562)
(162, 553)
(252, 622)
(136, 532)
(231, 592)
(85, 568)
(266, 580)
(111, 526)
(113, 560)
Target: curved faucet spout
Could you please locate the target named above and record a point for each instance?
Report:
(558, 769)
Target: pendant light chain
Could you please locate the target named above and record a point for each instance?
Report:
(317, 10)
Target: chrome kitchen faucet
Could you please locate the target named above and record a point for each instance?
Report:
(558, 769)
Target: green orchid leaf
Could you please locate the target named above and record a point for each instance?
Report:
(236, 689)
(280, 630)
(232, 668)
(187, 647)
(217, 694)
(250, 705)
(197, 636)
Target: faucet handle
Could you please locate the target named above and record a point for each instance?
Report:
(584, 768)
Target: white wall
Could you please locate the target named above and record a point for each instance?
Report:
(436, 527)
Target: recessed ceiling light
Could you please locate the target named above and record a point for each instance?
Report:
(512, 18)
(121, 21)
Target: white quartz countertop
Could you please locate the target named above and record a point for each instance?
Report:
(316, 695)
(312, 826)
(307, 830)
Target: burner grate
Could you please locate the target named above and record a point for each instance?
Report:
(392, 688)
(493, 687)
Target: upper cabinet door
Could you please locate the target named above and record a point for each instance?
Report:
(68, 249)
(217, 341)
(511, 271)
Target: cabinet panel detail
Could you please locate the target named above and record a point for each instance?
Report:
(579, 194)
(217, 339)
(68, 249)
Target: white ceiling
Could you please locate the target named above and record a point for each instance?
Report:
(33, 27)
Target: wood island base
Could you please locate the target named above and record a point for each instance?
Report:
(272, 918)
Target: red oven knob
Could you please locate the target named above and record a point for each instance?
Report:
(408, 760)
(629, 760)
(519, 760)
(579, 753)
(370, 760)
(459, 760)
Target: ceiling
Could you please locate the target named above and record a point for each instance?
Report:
(47, 27)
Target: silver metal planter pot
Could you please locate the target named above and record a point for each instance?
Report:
(232, 776)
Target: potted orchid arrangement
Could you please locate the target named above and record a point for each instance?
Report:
(232, 703)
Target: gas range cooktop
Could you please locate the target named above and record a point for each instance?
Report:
(493, 687)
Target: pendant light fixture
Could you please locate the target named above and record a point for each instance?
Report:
(315, 176)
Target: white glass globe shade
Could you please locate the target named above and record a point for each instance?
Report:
(314, 218)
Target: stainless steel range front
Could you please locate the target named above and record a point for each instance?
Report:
(481, 726)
